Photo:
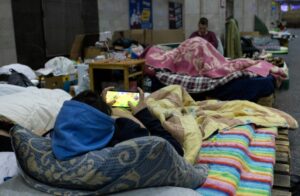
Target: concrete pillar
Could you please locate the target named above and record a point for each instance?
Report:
(7, 35)
(160, 11)
(113, 15)
(191, 16)
(244, 12)
(264, 11)
(215, 13)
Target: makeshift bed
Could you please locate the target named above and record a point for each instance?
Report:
(235, 139)
(268, 44)
(198, 67)
(231, 87)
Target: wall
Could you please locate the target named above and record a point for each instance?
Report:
(215, 14)
(7, 38)
(191, 16)
(113, 15)
(244, 11)
(264, 11)
(161, 13)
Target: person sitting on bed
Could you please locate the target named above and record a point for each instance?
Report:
(204, 33)
(85, 124)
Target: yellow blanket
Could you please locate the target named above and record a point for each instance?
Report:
(190, 122)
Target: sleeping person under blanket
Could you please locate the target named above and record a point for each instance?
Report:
(85, 124)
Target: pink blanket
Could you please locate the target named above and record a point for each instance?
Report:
(197, 57)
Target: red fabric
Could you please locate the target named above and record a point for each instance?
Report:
(210, 37)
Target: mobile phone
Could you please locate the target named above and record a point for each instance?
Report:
(122, 98)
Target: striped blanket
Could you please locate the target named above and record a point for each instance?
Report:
(241, 161)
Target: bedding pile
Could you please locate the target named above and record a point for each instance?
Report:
(199, 68)
(33, 108)
(236, 139)
(197, 57)
(191, 122)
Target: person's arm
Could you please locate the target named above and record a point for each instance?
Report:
(152, 124)
(155, 128)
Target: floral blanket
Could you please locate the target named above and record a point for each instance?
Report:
(197, 57)
(191, 122)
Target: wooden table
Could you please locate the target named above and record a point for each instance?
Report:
(123, 65)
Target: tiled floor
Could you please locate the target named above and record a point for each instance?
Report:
(289, 101)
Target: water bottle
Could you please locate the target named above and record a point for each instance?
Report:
(147, 83)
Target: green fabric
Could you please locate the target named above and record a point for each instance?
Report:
(260, 26)
(233, 40)
(283, 50)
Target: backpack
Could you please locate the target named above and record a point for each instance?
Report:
(19, 79)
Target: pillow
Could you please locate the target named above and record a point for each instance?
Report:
(33, 108)
(137, 163)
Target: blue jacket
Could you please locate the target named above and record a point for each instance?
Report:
(80, 128)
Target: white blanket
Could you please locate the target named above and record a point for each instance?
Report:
(7, 89)
(34, 109)
(24, 69)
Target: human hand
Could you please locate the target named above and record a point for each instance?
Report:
(103, 95)
(141, 105)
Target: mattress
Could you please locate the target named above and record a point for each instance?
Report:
(245, 88)
(8, 166)
(241, 162)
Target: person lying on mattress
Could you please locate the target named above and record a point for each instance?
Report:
(85, 123)
(204, 33)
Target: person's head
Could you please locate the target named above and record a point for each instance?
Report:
(93, 99)
(203, 25)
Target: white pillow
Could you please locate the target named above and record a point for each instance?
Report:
(35, 109)
(24, 69)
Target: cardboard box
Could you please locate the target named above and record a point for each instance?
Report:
(84, 45)
(62, 82)
(167, 36)
(92, 51)
(75, 52)
(250, 33)
(147, 36)
(136, 34)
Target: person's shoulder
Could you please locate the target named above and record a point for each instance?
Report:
(212, 34)
(194, 34)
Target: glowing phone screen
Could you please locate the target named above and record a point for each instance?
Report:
(122, 98)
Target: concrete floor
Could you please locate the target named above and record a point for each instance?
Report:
(289, 101)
